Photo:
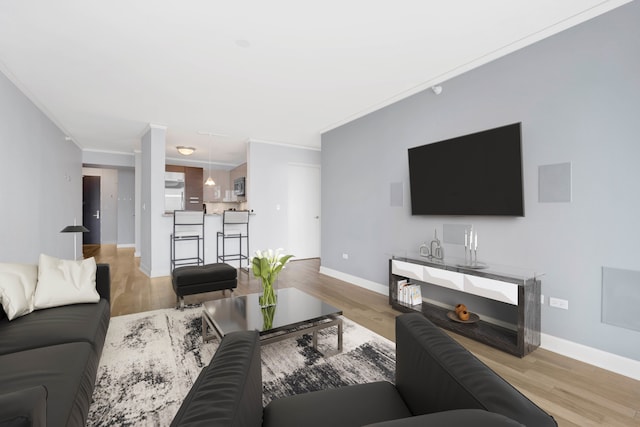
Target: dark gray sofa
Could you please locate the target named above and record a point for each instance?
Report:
(49, 359)
(438, 383)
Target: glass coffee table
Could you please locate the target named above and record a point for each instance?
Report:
(296, 313)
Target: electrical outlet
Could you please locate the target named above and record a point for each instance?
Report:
(559, 303)
(345, 256)
(541, 299)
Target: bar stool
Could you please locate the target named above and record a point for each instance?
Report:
(235, 226)
(188, 226)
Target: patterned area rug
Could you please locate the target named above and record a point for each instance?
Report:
(150, 361)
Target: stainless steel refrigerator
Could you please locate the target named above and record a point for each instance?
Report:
(173, 191)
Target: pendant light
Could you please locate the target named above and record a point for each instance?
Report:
(210, 182)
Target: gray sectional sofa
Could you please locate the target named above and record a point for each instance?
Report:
(49, 359)
(438, 383)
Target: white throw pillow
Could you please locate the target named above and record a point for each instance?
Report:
(64, 282)
(17, 284)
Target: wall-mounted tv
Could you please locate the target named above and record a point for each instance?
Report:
(476, 174)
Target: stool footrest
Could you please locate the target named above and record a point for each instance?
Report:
(196, 279)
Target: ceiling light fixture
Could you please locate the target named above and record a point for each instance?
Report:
(210, 182)
(437, 89)
(185, 151)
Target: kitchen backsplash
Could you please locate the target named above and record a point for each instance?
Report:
(219, 207)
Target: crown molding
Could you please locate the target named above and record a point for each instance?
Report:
(150, 126)
(122, 153)
(283, 144)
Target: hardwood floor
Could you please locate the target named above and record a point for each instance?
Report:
(575, 393)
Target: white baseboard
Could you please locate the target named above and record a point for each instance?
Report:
(145, 269)
(593, 356)
(159, 273)
(125, 245)
(363, 283)
(154, 273)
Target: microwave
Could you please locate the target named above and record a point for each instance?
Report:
(238, 186)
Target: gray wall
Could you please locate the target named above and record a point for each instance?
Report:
(267, 188)
(92, 158)
(117, 196)
(40, 182)
(577, 95)
(108, 202)
(129, 209)
(126, 207)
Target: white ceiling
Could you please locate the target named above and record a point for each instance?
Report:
(282, 71)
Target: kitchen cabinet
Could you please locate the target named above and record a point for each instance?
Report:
(239, 172)
(193, 188)
(216, 193)
(174, 168)
(223, 190)
(193, 184)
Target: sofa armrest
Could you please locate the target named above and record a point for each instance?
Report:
(434, 373)
(460, 417)
(27, 407)
(103, 281)
(229, 391)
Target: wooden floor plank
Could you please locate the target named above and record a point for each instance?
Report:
(575, 393)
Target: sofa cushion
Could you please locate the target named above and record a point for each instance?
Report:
(208, 273)
(58, 325)
(64, 282)
(68, 371)
(354, 405)
(434, 373)
(26, 407)
(17, 285)
(460, 417)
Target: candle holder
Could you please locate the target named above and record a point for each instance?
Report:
(471, 244)
(470, 256)
(471, 259)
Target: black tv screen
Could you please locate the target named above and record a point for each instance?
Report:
(476, 174)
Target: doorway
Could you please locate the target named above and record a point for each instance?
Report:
(91, 209)
(304, 210)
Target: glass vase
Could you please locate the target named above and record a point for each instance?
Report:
(269, 296)
(267, 317)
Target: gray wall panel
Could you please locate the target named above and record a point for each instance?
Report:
(621, 297)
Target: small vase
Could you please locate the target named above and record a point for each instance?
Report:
(267, 317)
(268, 297)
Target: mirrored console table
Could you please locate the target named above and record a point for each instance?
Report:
(500, 284)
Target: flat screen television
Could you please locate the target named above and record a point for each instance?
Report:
(476, 174)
